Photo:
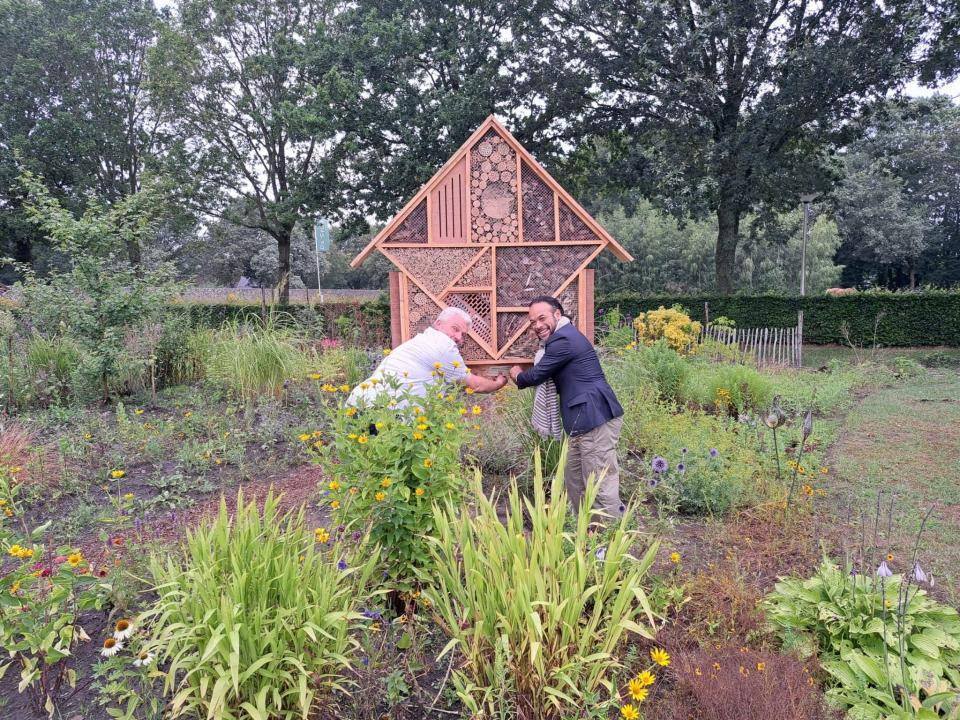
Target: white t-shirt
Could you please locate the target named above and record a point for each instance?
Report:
(414, 365)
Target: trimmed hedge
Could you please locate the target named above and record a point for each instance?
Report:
(370, 321)
(907, 319)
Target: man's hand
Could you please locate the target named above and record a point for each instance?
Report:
(515, 371)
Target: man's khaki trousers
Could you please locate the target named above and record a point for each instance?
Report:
(595, 452)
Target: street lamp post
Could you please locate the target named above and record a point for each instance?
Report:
(806, 200)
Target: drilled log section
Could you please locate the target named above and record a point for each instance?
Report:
(493, 191)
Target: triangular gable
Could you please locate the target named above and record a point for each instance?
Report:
(447, 212)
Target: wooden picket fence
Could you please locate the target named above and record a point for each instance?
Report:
(766, 345)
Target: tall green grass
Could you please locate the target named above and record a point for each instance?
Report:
(256, 619)
(536, 616)
(255, 358)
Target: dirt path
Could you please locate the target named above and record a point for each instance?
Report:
(904, 442)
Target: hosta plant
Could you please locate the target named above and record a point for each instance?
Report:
(254, 622)
(535, 611)
(890, 650)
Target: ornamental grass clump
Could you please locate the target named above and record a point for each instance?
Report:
(255, 620)
(256, 359)
(535, 614)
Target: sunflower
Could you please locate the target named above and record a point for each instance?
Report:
(428, 463)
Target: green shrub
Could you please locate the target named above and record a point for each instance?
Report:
(710, 483)
(538, 617)
(735, 388)
(390, 478)
(256, 619)
(46, 370)
(852, 621)
(668, 372)
(907, 368)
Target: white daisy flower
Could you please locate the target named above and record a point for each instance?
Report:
(144, 658)
(111, 646)
(123, 629)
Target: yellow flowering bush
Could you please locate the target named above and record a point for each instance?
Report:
(671, 324)
(390, 461)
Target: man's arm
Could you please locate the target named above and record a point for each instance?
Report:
(557, 355)
(482, 384)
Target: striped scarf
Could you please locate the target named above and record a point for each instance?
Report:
(546, 402)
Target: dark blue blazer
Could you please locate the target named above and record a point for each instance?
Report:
(586, 399)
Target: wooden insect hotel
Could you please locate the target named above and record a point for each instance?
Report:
(489, 232)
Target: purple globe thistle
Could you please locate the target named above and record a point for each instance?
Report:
(356, 536)
(653, 482)
(342, 564)
(683, 451)
(714, 453)
(659, 465)
(681, 468)
(884, 570)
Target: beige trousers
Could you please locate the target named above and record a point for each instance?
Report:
(594, 452)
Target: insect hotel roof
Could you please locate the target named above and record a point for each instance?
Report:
(491, 230)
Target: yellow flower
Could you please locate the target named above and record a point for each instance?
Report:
(380, 496)
(353, 491)
(824, 471)
(476, 410)
(8, 512)
(75, 559)
(188, 413)
(138, 411)
(2, 502)
(88, 436)
(386, 351)
(438, 365)
(421, 426)
(418, 436)
(807, 490)
(344, 388)
(637, 691)
(419, 492)
(470, 391)
(378, 426)
(675, 558)
(456, 363)
(335, 504)
(629, 712)
(660, 656)
(761, 666)
(352, 436)
(889, 557)
(350, 411)
(314, 376)
(128, 497)
(362, 439)
(428, 463)
(333, 485)
(15, 588)
(462, 411)
(117, 474)
(450, 426)
(303, 437)
(646, 678)
(716, 666)
(321, 535)
(386, 482)
(744, 671)
(421, 419)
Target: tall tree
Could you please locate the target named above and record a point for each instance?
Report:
(75, 104)
(728, 104)
(899, 205)
(432, 72)
(255, 81)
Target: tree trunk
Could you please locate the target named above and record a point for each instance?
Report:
(728, 234)
(283, 265)
(134, 255)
